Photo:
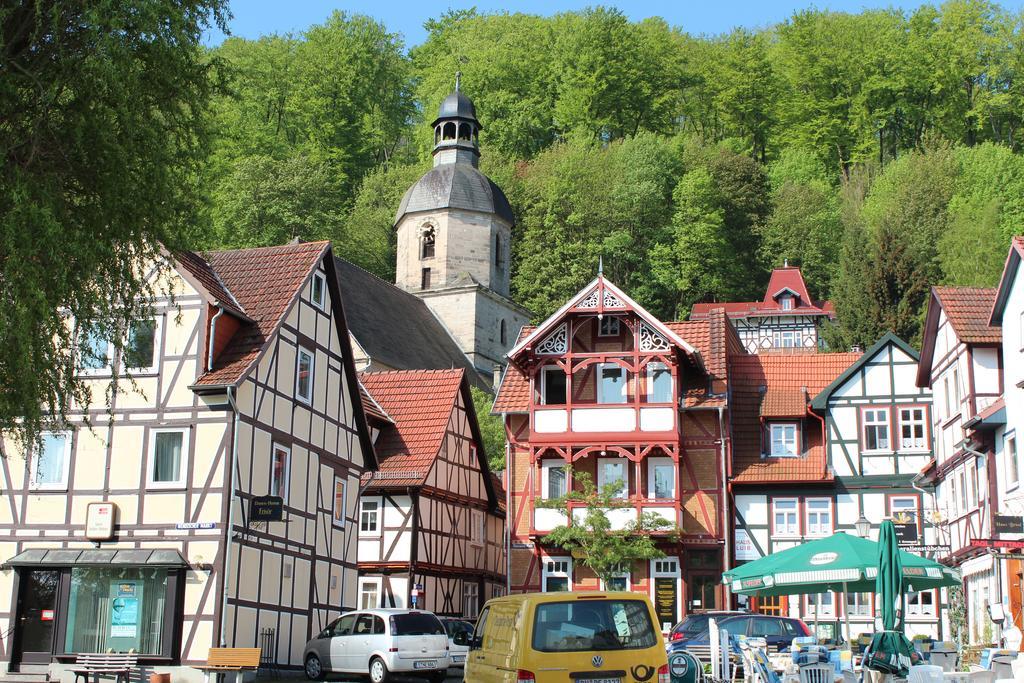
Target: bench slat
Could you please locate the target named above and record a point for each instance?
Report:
(233, 658)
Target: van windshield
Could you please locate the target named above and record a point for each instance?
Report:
(586, 625)
(416, 624)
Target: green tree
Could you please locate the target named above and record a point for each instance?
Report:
(592, 540)
(492, 429)
(103, 106)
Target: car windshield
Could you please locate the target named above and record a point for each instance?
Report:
(694, 623)
(592, 625)
(456, 627)
(416, 624)
(735, 627)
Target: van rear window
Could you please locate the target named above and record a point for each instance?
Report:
(585, 625)
(416, 624)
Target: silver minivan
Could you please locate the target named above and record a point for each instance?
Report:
(378, 642)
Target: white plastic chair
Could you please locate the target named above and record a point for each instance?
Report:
(849, 676)
(817, 673)
(1017, 666)
(1001, 668)
(925, 673)
(946, 660)
(981, 676)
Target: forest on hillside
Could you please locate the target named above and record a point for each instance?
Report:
(880, 151)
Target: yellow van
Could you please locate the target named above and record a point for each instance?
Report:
(581, 637)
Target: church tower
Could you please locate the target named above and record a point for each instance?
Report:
(454, 228)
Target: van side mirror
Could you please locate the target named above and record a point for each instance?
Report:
(462, 639)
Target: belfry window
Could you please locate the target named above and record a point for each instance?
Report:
(448, 132)
(428, 242)
(465, 131)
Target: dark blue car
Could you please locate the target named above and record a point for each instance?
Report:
(778, 632)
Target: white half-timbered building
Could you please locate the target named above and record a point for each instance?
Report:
(244, 387)
(787, 319)
(432, 518)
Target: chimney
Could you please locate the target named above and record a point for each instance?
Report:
(856, 349)
(496, 376)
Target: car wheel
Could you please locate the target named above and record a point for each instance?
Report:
(314, 670)
(378, 670)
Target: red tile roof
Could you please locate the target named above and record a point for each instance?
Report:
(514, 392)
(420, 403)
(201, 270)
(756, 377)
(371, 407)
(787, 277)
(784, 403)
(968, 310)
(265, 281)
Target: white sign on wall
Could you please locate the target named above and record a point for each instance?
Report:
(745, 548)
(99, 521)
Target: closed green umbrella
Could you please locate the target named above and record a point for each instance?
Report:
(889, 582)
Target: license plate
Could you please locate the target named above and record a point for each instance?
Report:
(458, 659)
(599, 680)
(432, 664)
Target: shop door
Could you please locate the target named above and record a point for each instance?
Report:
(37, 609)
(701, 592)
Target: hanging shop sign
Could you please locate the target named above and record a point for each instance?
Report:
(99, 521)
(266, 509)
(995, 543)
(1009, 524)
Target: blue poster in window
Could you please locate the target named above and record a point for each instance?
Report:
(124, 610)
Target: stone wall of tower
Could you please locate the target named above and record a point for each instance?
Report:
(464, 245)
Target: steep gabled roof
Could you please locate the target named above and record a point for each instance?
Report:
(396, 328)
(1006, 281)
(968, 310)
(820, 401)
(420, 405)
(785, 379)
(200, 269)
(786, 278)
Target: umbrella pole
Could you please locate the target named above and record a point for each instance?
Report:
(846, 618)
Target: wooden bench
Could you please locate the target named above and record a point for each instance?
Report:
(233, 659)
(97, 663)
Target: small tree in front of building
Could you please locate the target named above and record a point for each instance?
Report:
(589, 536)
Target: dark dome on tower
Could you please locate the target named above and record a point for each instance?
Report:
(456, 106)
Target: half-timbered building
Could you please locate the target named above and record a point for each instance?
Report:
(605, 388)
(787, 318)
(961, 362)
(822, 441)
(133, 531)
(432, 518)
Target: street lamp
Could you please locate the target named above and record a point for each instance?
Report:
(863, 526)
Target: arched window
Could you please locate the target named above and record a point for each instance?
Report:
(504, 334)
(437, 134)
(497, 252)
(465, 131)
(449, 131)
(427, 242)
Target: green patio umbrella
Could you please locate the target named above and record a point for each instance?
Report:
(890, 651)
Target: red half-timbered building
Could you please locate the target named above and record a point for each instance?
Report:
(604, 387)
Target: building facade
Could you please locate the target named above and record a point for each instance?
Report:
(821, 441)
(135, 532)
(787, 319)
(961, 362)
(603, 388)
(432, 519)
(454, 231)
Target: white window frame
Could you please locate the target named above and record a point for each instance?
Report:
(789, 530)
(652, 465)
(651, 368)
(602, 479)
(552, 568)
(923, 423)
(371, 581)
(318, 277)
(158, 330)
(962, 484)
(181, 481)
(61, 485)
(337, 523)
(622, 573)
(826, 610)
(377, 515)
(1010, 456)
(972, 483)
(916, 609)
(772, 426)
(865, 424)
(274, 448)
(614, 326)
(477, 522)
(545, 476)
(544, 384)
(299, 351)
(470, 597)
(780, 338)
(860, 608)
(947, 395)
(786, 302)
(817, 528)
(601, 367)
(108, 357)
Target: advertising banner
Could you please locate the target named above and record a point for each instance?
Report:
(124, 609)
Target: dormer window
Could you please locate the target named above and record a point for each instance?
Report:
(786, 302)
(427, 242)
(609, 326)
(782, 440)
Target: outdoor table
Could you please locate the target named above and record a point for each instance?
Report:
(956, 676)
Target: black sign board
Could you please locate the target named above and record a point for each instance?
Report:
(906, 533)
(665, 600)
(1009, 524)
(266, 509)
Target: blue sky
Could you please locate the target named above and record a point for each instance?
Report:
(253, 18)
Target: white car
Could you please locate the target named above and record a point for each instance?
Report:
(378, 642)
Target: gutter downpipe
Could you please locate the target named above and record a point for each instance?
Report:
(228, 536)
(726, 520)
(213, 337)
(508, 514)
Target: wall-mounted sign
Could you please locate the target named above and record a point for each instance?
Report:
(745, 548)
(46, 615)
(99, 521)
(928, 548)
(995, 543)
(266, 509)
(906, 532)
(1009, 524)
(195, 525)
